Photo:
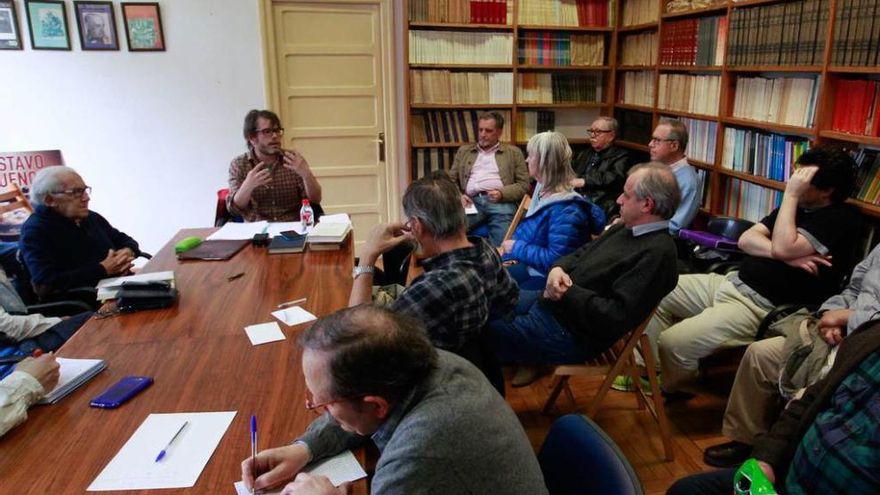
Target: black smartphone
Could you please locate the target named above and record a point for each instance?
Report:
(121, 391)
(292, 235)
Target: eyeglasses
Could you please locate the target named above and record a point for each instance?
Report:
(655, 139)
(76, 192)
(270, 131)
(318, 408)
(593, 132)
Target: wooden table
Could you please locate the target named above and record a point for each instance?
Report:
(201, 360)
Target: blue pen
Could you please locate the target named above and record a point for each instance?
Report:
(253, 448)
(163, 451)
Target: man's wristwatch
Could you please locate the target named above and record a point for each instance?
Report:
(360, 270)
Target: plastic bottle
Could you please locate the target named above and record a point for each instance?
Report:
(306, 215)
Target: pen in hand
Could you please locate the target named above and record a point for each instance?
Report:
(253, 448)
(163, 451)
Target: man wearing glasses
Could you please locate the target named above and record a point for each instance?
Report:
(668, 144)
(601, 170)
(66, 245)
(439, 426)
(269, 182)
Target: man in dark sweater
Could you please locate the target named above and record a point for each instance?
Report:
(604, 289)
(66, 245)
(600, 170)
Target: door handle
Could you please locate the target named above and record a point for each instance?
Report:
(381, 142)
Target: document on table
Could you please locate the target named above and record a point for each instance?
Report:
(276, 228)
(135, 468)
(108, 288)
(263, 333)
(338, 469)
(293, 315)
(342, 218)
(239, 230)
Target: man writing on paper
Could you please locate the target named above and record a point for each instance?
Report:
(439, 426)
(492, 176)
(269, 182)
(464, 282)
(27, 384)
(66, 245)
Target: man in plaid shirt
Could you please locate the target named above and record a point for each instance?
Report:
(464, 282)
(269, 182)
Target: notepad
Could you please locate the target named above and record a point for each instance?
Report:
(264, 333)
(338, 469)
(239, 230)
(135, 468)
(74, 372)
(108, 288)
(471, 210)
(293, 315)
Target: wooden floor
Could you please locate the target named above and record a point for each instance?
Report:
(696, 424)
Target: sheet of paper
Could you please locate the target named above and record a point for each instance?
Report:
(264, 333)
(293, 315)
(338, 469)
(135, 468)
(470, 210)
(140, 277)
(276, 228)
(336, 218)
(239, 230)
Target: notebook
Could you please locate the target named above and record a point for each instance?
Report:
(281, 244)
(74, 372)
(218, 250)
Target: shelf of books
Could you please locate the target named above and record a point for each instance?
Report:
(757, 82)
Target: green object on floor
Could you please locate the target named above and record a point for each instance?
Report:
(623, 383)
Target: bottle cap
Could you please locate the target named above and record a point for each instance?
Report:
(305, 202)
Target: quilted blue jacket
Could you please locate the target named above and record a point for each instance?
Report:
(554, 230)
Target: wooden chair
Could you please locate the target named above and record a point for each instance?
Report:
(518, 216)
(14, 199)
(619, 360)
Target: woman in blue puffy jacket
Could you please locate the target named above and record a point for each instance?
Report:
(558, 221)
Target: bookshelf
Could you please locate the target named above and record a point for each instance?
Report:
(542, 63)
(783, 85)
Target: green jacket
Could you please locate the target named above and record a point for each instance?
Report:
(511, 167)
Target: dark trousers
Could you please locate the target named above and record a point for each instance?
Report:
(52, 339)
(718, 482)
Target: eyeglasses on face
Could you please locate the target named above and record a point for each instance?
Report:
(655, 139)
(319, 407)
(270, 131)
(594, 132)
(76, 192)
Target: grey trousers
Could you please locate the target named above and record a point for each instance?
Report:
(755, 403)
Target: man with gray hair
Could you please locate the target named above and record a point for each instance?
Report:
(439, 427)
(604, 289)
(464, 282)
(668, 144)
(600, 170)
(66, 245)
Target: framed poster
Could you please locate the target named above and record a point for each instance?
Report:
(10, 36)
(47, 21)
(143, 27)
(97, 25)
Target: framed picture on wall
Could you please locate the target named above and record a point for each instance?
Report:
(10, 36)
(143, 27)
(47, 21)
(97, 25)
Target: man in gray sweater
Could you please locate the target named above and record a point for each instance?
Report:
(439, 426)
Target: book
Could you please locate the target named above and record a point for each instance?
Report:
(283, 245)
(217, 250)
(328, 233)
(74, 372)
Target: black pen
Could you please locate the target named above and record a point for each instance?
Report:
(233, 277)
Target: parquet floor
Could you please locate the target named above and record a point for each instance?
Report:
(696, 424)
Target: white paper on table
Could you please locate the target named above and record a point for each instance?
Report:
(239, 230)
(293, 315)
(264, 332)
(336, 218)
(276, 228)
(338, 469)
(470, 210)
(140, 277)
(135, 468)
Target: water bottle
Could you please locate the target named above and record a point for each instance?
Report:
(306, 215)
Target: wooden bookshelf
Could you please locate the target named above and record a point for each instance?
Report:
(827, 74)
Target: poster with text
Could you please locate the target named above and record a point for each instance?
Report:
(19, 168)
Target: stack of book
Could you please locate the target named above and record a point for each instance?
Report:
(108, 288)
(450, 126)
(559, 88)
(553, 48)
(701, 139)
(459, 11)
(689, 93)
(790, 33)
(857, 107)
(583, 13)
(328, 235)
(286, 244)
(856, 30)
(530, 123)
(782, 100)
(447, 87)
(427, 160)
(637, 88)
(639, 49)
(759, 153)
(868, 182)
(694, 41)
(460, 47)
(637, 12)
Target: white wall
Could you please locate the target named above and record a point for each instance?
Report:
(151, 132)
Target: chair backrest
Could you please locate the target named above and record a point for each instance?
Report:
(14, 210)
(14, 199)
(578, 458)
(518, 216)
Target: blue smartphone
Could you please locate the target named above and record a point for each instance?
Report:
(121, 391)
